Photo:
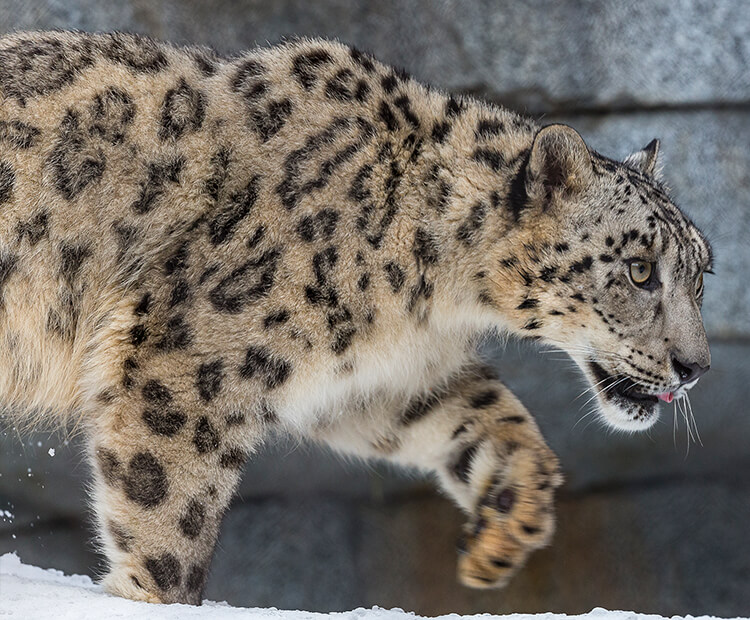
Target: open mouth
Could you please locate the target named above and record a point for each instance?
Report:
(622, 387)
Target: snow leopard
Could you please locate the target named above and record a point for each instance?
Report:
(198, 252)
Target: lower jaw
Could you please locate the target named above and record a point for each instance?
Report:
(628, 415)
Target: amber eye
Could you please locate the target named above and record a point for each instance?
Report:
(699, 286)
(640, 272)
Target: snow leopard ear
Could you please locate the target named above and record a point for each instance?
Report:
(646, 160)
(559, 163)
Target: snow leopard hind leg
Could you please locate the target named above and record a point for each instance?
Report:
(167, 462)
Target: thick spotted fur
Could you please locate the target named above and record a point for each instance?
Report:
(197, 250)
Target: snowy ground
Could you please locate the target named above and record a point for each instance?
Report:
(31, 593)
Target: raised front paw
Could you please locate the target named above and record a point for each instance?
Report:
(514, 517)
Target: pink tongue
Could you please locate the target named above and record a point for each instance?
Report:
(667, 397)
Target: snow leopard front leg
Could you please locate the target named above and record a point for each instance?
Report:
(167, 455)
(487, 453)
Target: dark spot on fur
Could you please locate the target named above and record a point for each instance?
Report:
(425, 247)
(109, 466)
(165, 570)
(440, 131)
(180, 293)
(389, 83)
(527, 304)
(454, 107)
(177, 335)
(488, 128)
(343, 340)
(209, 379)
(395, 275)
(192, 520)
(129, 366)
(196, 577)
(268, 119)
(295, 184)
(386, 115)
(156, 392)
(34, 229)
(183, 109)
(207, 60)
(138, 335)
(344, 86)
(532, 324)
(35, 65)
(179, 259)
(206, 438)
(111, 112)
(462, 466)
(403, 103)
(276, 318)
(7, 181)
(139, 53)
(468, 229)
(249, 282)
(74, 162)
(512, 419)
(267, 414)
(306, 228)
(234, 458)
(306, 65)
(72, 257)
(582, 265)
(236, 418)
(420, 406)
(145, 481)
(517, 195)
(18, 135)
(492, 158)
(159, 174)
(500, 563)
(164, 421)
(273, 371)
(484, 399)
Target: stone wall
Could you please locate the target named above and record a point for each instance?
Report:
(643, 524)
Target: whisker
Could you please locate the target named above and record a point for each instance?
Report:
(692, 416)
(688, 430)
(591, 387)
(584, 416)
(604, 389)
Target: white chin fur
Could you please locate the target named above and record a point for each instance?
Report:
(631, 418)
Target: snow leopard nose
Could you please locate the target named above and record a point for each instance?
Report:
(688, 371)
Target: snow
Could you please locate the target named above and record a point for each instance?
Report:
(31, 593)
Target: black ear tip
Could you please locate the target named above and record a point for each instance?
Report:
(652, 146)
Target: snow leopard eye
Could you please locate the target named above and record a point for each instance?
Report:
(641, 272)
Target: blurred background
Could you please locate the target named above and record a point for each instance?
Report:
(643, 525)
